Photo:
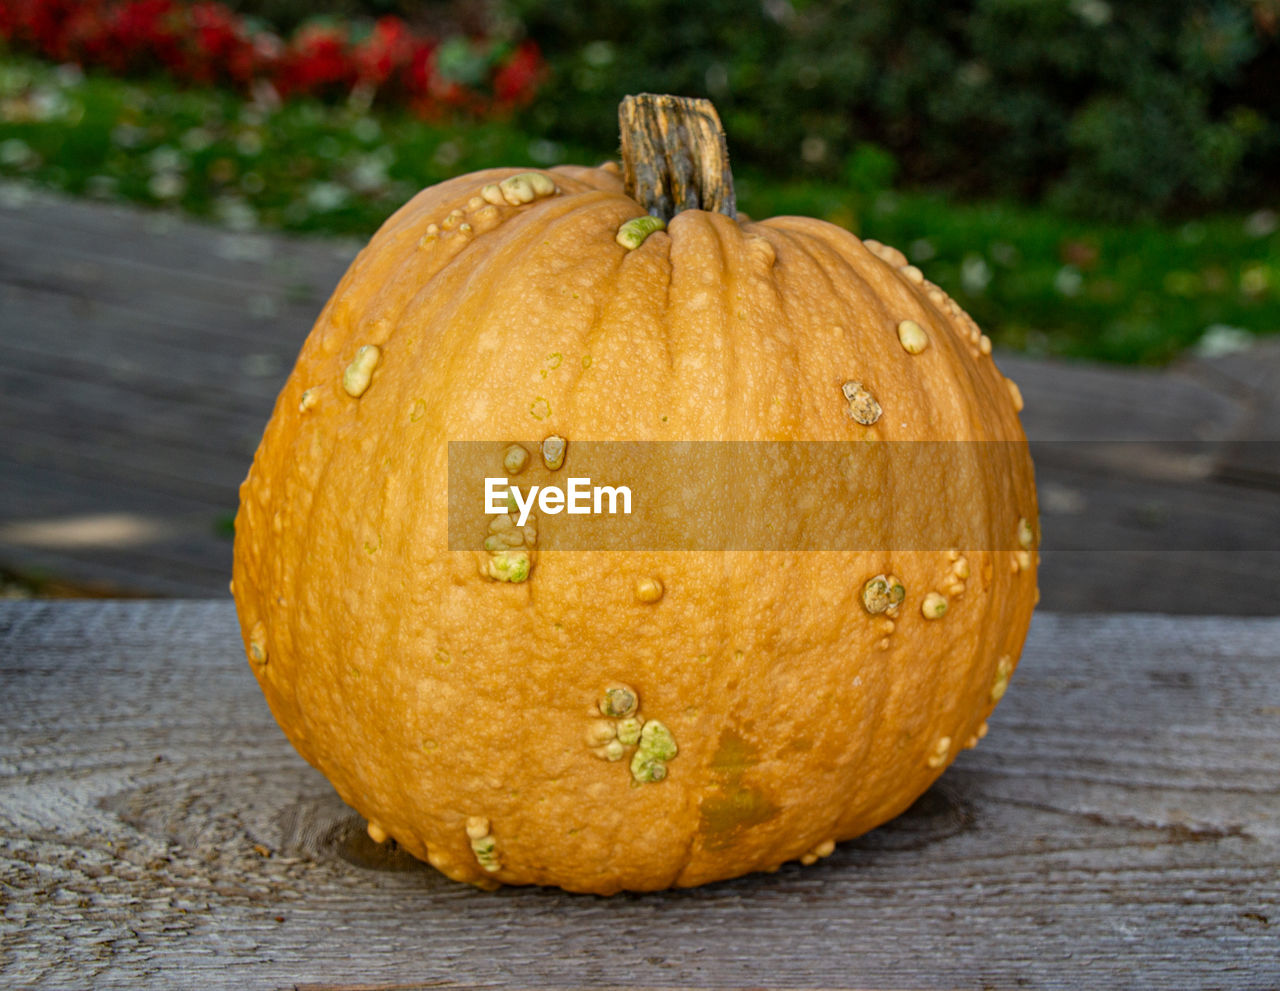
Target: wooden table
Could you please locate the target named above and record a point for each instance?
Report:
(141, 355)
(1118, 828)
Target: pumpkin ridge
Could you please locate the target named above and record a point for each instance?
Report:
(607, 178)
(822, 243)
(524, 247)
(626, 284)
(907, 302)
(517, 231)
(849, 304)
(730, 242)
(463, 282)
(697, 254)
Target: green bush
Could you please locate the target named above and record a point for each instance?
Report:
(1107, 108)
(1032, 278)
(441, 17)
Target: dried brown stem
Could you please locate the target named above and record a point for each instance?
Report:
(674, 155)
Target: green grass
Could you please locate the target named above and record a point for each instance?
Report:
(1035, 280)
(303, 167)
(1048, 284)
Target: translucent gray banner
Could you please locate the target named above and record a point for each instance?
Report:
(813, 496)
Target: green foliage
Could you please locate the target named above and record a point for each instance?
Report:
(1120, 291)
(1149, 148)
(1040, 282)
(1112, 109)
(302, 166)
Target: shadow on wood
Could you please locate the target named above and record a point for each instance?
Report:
(1120, 826)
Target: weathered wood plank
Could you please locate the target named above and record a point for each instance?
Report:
(134, 366)
(1119, 827)
(1086, 510)
(1159, 581)
(1252, 457)
(50, 226)
(142, 348)
(1078, 401)
(1245, 373)
(78, 389)
(113, 530)
(116, 452)
(184, 301)
(193, 569)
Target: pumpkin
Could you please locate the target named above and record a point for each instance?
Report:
(635, 718)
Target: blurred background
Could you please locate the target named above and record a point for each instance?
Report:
(182, 184)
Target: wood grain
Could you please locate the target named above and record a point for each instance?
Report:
(674, 155)
(1119, 827)
(140, 356)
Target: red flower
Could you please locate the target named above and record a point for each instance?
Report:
(205, 42)
(316, 62)
(386, 53)
(517, 81)
(218, 46)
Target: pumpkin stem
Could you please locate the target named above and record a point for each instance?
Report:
(674, 155)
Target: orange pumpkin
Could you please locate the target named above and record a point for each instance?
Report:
(627, 719)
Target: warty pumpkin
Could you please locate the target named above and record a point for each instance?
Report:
(602, 719)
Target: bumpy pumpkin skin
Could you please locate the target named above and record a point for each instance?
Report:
(434, 697)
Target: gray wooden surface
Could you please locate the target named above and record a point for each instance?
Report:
(140, 356)
(1118, 828)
